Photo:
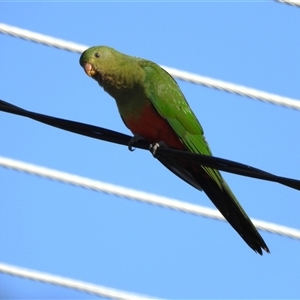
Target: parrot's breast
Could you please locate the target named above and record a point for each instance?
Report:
(153, 127)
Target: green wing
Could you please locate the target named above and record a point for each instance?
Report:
(167, 98)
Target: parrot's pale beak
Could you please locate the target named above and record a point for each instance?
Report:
(89, 70)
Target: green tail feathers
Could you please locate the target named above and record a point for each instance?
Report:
(228, 205)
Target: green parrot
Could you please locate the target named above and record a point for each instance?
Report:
(153, 107)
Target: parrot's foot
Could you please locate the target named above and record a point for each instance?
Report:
(153, 147)
(136, 138)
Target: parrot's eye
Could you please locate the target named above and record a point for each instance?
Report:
(97, 54)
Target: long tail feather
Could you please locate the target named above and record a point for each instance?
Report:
(222, 198)
(227, 204)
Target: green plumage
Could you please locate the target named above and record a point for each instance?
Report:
(151, 104)
(172, 106)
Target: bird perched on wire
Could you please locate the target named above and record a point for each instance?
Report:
(153, 107)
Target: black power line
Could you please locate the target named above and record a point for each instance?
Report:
(123, 139)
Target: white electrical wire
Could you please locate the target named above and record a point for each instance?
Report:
(138, 195)
(291, 2)
(41, 38)
(186, 76)
(70, 283)
(234, 88)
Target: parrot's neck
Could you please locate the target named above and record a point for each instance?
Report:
(122, 78)
(125, 85)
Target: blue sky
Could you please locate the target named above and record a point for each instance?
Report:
(68, 231)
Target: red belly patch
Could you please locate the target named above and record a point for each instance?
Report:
(154, 128)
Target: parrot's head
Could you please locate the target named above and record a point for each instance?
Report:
(99, 61)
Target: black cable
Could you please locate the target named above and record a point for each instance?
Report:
(123, 139)
(76, 127)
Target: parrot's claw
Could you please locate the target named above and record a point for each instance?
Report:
(136, 138)
(153, 147)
